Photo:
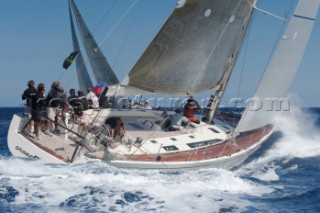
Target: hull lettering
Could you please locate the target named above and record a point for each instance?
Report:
(27, 153)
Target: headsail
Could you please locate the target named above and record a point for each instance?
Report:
(82, 73)
(100, 67)
(193, 49)
(281, 70)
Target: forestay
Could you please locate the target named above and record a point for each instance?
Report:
(82, 73)
(279, 75)
(100, 67)
(193, 48)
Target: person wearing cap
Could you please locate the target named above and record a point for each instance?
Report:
(116, 127)
(28, 95)
(64, 104)
(83, 98)
(189, 110)
(73, 98)
(75, 102)
(41, 110)
(146, 105)
(53, 102)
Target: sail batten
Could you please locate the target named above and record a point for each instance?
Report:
(181, 59)
(270, 96)
(82, 73)
(101, 69)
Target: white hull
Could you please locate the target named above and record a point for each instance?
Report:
(54, 150)
(20, 147)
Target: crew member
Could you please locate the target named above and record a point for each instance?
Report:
(189, 110)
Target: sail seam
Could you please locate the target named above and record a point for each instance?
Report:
(304, 17)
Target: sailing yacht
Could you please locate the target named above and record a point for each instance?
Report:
(194, 51)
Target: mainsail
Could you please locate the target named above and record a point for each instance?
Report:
(194, 48)
(279, 75)
(82, 73)
(100, 67)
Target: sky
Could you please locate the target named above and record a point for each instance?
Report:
(36, 38)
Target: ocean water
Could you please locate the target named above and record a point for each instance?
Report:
(282, 176)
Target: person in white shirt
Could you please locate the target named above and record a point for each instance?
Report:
(92, 99)
(146, 105)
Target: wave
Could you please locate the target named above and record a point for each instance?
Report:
(296, 136)
(301, 136)
(98, 186)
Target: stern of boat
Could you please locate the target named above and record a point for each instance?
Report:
(21, 146)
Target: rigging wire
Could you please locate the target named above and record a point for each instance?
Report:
(100, 44)
(104, 16)
(276, 43)
(113, 28)
(117, 23)
(243, 63)
(244, 59)
(99, 23)
(284, 21)
(127, 34)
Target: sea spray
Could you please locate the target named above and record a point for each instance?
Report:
(297, 137)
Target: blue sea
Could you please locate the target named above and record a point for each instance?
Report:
(282, 176)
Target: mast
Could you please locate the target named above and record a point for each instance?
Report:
(100, 67)
(219, 91)
(220, 88)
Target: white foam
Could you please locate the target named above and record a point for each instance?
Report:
(266, 174)
(300, 139)
(199, 191)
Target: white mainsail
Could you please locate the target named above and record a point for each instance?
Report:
(100, 67)
(82, 72)
(279, 75)
(181, 59)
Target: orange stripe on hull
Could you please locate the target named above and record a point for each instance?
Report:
(226, 148)
(39, 145)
